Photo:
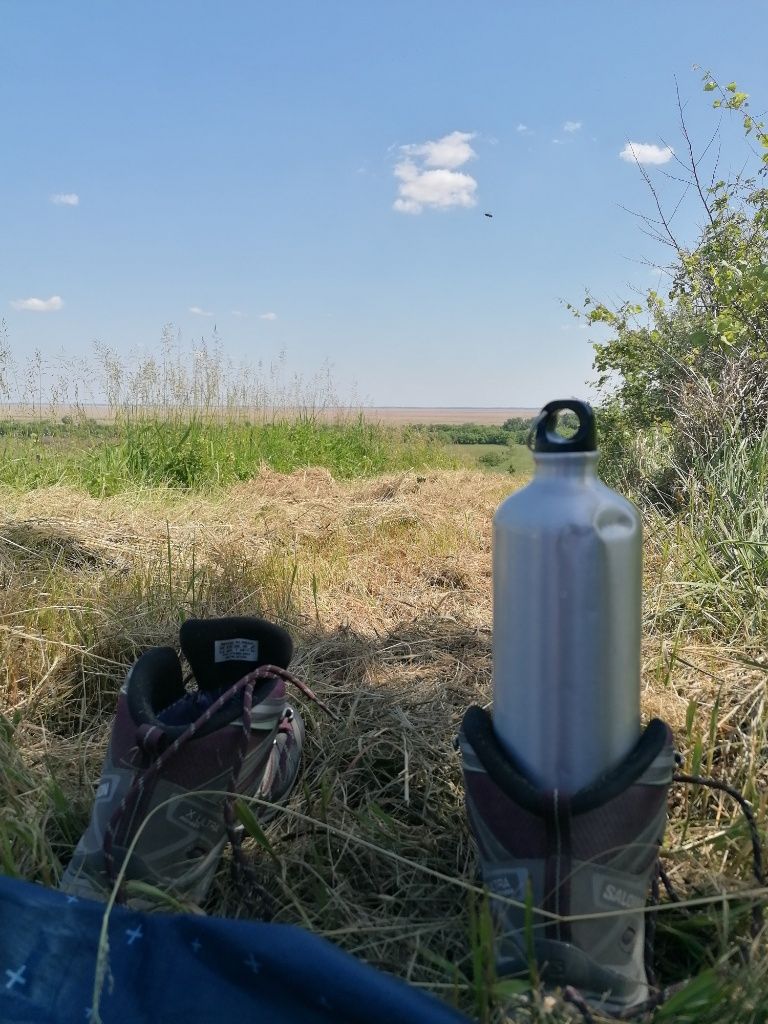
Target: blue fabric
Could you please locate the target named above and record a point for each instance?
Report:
(184, 969)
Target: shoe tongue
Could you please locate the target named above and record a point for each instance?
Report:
(221, 651)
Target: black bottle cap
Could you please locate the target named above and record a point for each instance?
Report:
(585, 438)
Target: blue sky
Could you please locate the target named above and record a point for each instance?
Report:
(314, 175)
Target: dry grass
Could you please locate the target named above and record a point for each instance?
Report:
(385, 585)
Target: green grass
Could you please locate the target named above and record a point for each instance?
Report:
(707, 523)
(492, 458)
(199, 453)
(196, 453)
(202, 454)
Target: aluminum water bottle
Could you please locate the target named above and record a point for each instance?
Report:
(567, 565)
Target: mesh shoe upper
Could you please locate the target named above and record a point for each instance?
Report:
(593, 853)
(180, 844)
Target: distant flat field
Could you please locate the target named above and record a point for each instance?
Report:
(451, 414)
(394, 414)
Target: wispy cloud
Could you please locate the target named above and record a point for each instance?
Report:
(199, 312)
(237, 312)
(435, 183)
(267, 316)
(572, 126)
(523, 129)
(65, 199)
(646, 153)
(38, 305)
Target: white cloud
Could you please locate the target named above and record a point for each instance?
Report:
(451, 151)
(38, 305)
(439, 189)
(571, 126)
(66, 199)
(267, 316)
(407, 206)
(237, 312)
(199, 312)
(557, 142)
(646, 153)
(522, 128)
(434, 182)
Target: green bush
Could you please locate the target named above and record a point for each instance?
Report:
(512, 431)
(705, 344)
(491, 459)
(683, 425)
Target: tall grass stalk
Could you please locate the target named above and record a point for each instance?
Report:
(171, 381)
(706, 517)
(184, 417)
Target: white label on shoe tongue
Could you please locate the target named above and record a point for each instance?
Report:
(236, 650)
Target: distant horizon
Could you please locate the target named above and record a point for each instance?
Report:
(489, 408)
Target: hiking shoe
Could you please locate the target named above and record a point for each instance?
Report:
(589, 853)
(172, 739)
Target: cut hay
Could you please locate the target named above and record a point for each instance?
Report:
(385, 585)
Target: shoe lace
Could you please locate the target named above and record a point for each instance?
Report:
(133, 798)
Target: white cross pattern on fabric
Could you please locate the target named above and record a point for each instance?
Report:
(133, 934)
(196, 945)
(16, 977)
(253, 963)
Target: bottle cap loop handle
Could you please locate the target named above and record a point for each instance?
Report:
(547, 440)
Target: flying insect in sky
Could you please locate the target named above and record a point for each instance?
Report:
(488, 215)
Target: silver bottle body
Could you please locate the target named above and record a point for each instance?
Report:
(567, 592)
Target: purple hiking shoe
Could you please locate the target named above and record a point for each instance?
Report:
(577, 858)
(236, 733)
